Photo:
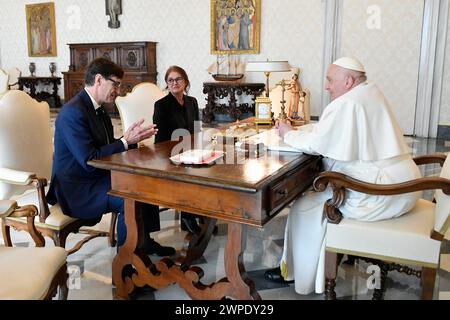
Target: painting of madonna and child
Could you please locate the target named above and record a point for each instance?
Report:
(235, 26)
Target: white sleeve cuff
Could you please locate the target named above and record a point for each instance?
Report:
(125, 144)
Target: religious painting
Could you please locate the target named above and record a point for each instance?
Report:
(41, 29)
(235, 26)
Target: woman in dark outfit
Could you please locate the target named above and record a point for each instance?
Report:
(175, 111)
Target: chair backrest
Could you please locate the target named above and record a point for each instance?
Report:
(442, 215)
(3, 81)
(14, 75)
(138, 104)
(25, 138)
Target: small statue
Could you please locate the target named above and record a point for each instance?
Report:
(113, 9)
(297, 99)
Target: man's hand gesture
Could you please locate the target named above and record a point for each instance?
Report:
(136, 133)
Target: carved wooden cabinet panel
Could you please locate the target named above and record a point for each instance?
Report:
(138, 59)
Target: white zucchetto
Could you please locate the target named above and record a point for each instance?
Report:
(350, 63)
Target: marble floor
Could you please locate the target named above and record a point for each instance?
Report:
(90, 267)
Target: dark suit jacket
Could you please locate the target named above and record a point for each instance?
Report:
(169, 115)
(79, 188)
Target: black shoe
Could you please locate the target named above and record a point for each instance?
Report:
(153, 247)
(190, 225)
(274, 275)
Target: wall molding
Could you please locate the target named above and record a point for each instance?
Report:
(332, 41)
(432, 56)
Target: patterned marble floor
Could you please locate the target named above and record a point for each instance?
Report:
(90, 268)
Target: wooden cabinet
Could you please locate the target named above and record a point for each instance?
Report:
(138, 59)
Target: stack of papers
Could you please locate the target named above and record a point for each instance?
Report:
(195, 156)
(272, 141)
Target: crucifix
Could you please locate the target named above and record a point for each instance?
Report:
(113, 10)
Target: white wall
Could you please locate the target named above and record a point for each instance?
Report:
(290, 30)
(389, 47)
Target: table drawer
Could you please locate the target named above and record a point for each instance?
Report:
(296, 182)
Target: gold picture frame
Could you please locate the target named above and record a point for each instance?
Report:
(41, 29)
(227, 19)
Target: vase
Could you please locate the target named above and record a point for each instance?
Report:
(32, 68)
(52, 68)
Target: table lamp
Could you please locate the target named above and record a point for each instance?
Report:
(267, 67)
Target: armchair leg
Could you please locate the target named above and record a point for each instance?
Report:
(63, 291)
(331, 265)
(378, 294)
(59, 239)
(112, 230)
(6, 234)
(427, 280)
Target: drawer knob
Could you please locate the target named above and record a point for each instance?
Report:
(283, 193)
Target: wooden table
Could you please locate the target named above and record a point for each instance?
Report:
(240, 190)
(52, 97)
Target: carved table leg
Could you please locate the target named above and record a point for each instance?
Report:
(208, 111)
(195, 245)
(236, 285)
(241, 286)
(124, 258)
(233, 107)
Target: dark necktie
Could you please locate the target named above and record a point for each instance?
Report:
(101, 113)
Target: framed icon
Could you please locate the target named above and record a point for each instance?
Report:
(41, 29)
(235, 26)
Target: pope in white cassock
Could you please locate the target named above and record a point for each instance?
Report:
(358, 135)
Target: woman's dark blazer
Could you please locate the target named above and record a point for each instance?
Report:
(169, 115)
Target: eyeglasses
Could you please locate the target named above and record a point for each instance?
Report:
(172, 81)
(116, 84)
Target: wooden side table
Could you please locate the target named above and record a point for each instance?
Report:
(221, 90)
(31, 83)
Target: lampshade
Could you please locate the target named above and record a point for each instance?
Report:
(267, 66)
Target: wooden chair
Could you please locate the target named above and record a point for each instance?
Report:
(138, 104)
(13, 82)
(32, 273)
(26, 155)
(412, 239)
(3, 81)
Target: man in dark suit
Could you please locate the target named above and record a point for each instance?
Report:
(83, 132)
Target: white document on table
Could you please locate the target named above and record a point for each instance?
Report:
(272, 141)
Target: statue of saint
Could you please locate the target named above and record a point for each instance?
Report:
(297, 99)
(113, 10)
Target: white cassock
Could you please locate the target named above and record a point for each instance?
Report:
(358, 136)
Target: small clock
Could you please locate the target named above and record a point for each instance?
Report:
(263, 110)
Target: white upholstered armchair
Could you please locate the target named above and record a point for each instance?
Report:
(4, 77)
(411, 239)
(13, 82)
(138, 104)
(31, 273)
(26, 156)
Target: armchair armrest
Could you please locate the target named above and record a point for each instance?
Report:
(10, 85)
(340, 182)
(430, 159)
(9, 208)
(26, 178)
(16, 177)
